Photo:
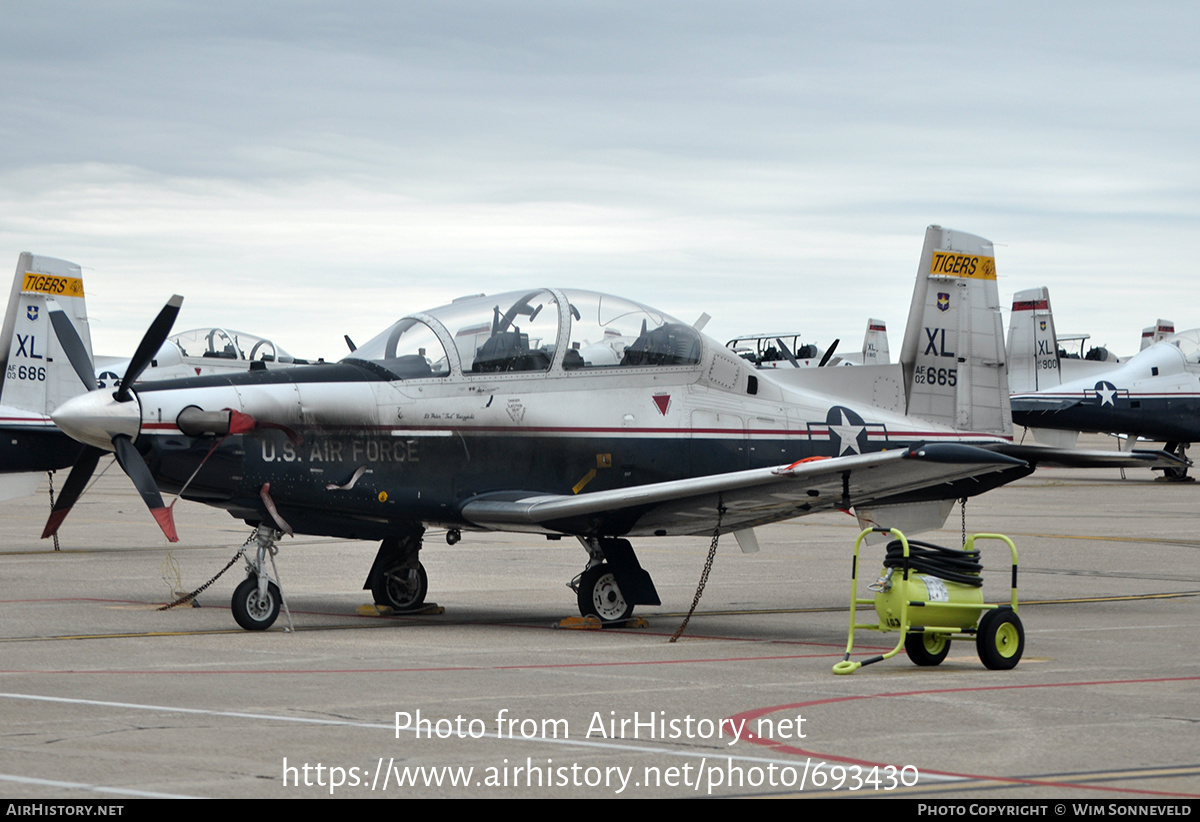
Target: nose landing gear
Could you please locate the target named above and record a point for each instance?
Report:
(257, 600)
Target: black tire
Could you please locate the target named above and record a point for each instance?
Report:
(1176, 473)
(926, 649)
(400, 590)
(252, 612)
(1000, 639)
(601, 597)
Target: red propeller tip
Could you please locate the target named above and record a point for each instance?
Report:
(166, 522)
(55, 520)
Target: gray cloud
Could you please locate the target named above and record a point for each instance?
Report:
(315, 170)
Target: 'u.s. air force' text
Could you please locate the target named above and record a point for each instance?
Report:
(356, 450)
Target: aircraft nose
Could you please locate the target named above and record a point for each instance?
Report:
(95, 418)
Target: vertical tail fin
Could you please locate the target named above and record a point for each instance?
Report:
(953, 354)
(875, 344)
(1159, 331)
(37, 373)
(1033, 361)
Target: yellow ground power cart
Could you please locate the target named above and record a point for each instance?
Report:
(932, 595)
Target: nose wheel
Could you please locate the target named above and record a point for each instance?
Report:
(600, 596)
(253, 609)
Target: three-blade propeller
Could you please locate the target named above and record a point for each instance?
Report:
(130, 460)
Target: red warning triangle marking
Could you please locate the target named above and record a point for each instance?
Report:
(663, 401)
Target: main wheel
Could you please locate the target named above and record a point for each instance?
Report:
(401, 588)
(1000, 639)
(599, 595)
(253, 611)
(926, 649)
(1176, 473)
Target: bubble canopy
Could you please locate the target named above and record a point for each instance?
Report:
(1188, 343)
(531, 332)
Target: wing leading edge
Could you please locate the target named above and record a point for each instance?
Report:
(743, 499)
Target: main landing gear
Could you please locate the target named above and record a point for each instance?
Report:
(397, 579)
(600, 596)
(613, 582)
(1177, 473)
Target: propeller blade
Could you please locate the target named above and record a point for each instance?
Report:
(72, 345)
(155, 336)
(829, 353)
(135, 467)
(787, 352)
(77, 480)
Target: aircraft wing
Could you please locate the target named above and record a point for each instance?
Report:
(1048, 457)
(1043, 405)
(754, 497)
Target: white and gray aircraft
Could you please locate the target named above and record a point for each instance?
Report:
(502, 413)
(1155, 395)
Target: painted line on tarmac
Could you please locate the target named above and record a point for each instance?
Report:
(693, 753)
(746, 716)
(83, 786)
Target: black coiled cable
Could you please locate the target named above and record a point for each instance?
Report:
(950, 564)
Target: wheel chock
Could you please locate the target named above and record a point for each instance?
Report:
(593, 623)
(373, 610)
(580, 623)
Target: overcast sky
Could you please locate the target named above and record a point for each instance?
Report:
(305, 170)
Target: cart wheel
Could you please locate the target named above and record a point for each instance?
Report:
(927, 649)
(1000, 639)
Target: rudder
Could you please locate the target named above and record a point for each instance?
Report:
(1033, 361)
(37, 374)
(953, 354)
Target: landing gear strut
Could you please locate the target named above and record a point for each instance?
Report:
(398, 579)
(1177, 473)
(256, 601)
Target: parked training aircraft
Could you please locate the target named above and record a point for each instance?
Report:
(31, 384)
(1154, 395)
(787, 351)
(200, 352)
(516, 412)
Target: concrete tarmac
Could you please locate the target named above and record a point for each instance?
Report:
(103, 696)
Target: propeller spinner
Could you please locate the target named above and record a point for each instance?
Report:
(105, 422)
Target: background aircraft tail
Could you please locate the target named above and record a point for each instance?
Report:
(1033, 361)
(37, 375)
(875, 344)
(1157, 332)
(953, 356)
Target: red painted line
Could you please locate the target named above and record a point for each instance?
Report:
(805, 433)
(439, 669)
(746, 716)
(1090, 393)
